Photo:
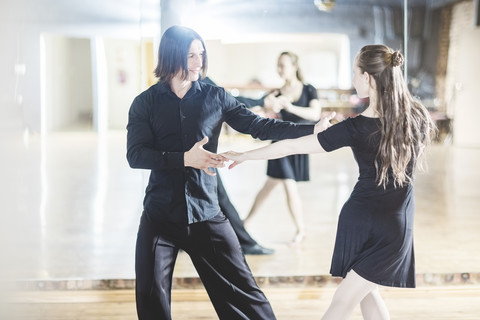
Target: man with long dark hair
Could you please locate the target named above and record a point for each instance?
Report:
(173, 130)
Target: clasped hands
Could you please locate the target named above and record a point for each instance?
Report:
(274, 102)
(198, 157)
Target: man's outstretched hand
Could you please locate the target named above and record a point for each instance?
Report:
(324, 122)
(199, 158)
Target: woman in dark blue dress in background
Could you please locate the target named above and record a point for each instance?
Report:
(297, 102)
(374, 241)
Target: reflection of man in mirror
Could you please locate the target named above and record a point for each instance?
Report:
(173, 130)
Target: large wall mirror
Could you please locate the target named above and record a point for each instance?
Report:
(71, 73)
(244, 39)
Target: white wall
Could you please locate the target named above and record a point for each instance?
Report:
(462, 21)
(68, 82)
(124, 74)
(323, 58)
(23, 22)
(461, 81)
(466, 106)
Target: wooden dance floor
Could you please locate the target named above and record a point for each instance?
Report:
(72, 205)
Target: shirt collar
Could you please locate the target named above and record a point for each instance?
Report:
(195, 87)
(165, 88)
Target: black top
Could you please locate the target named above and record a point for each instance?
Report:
(362, 135)
(309, 93)
(375, 227)
(161, 127)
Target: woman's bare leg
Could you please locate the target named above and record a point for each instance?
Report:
(351, 291)
(294, 202)
(262, 195)
(373, 307)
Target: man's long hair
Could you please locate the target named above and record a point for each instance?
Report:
(173, 53)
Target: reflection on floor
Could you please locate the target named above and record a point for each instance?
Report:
(299, 303)
(71, 207)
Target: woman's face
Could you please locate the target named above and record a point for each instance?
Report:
(286, 69)
(360, 81)
(195, 60)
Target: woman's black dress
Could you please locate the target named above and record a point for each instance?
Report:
(375, 226)
(295, 166)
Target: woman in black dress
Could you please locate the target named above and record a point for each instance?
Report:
(374, 241)
(297, 102)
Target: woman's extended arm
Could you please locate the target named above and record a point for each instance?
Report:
(306, 144)
(303, 145)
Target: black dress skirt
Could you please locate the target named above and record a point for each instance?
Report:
(294, 167)
(375, 226)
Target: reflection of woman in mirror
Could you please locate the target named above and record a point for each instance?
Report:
(374, 241)
(297, 102)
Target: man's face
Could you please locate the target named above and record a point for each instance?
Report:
(195, 60)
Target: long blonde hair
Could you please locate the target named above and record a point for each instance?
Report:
(406, 126)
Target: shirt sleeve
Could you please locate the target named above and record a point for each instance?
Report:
(337, 136)
(141, 151)
(312, 92)
(243, 120)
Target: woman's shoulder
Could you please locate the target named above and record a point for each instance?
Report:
(360, 118)
(363, 125)
(309, 87)
(359, 122)
(309, 91)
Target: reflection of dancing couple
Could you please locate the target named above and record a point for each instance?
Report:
(167, 133)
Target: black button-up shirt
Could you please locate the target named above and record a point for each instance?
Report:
(162, 127)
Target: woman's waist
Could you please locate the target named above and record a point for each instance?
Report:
(369, 186)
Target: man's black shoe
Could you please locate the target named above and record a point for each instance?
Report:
(258, 250)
